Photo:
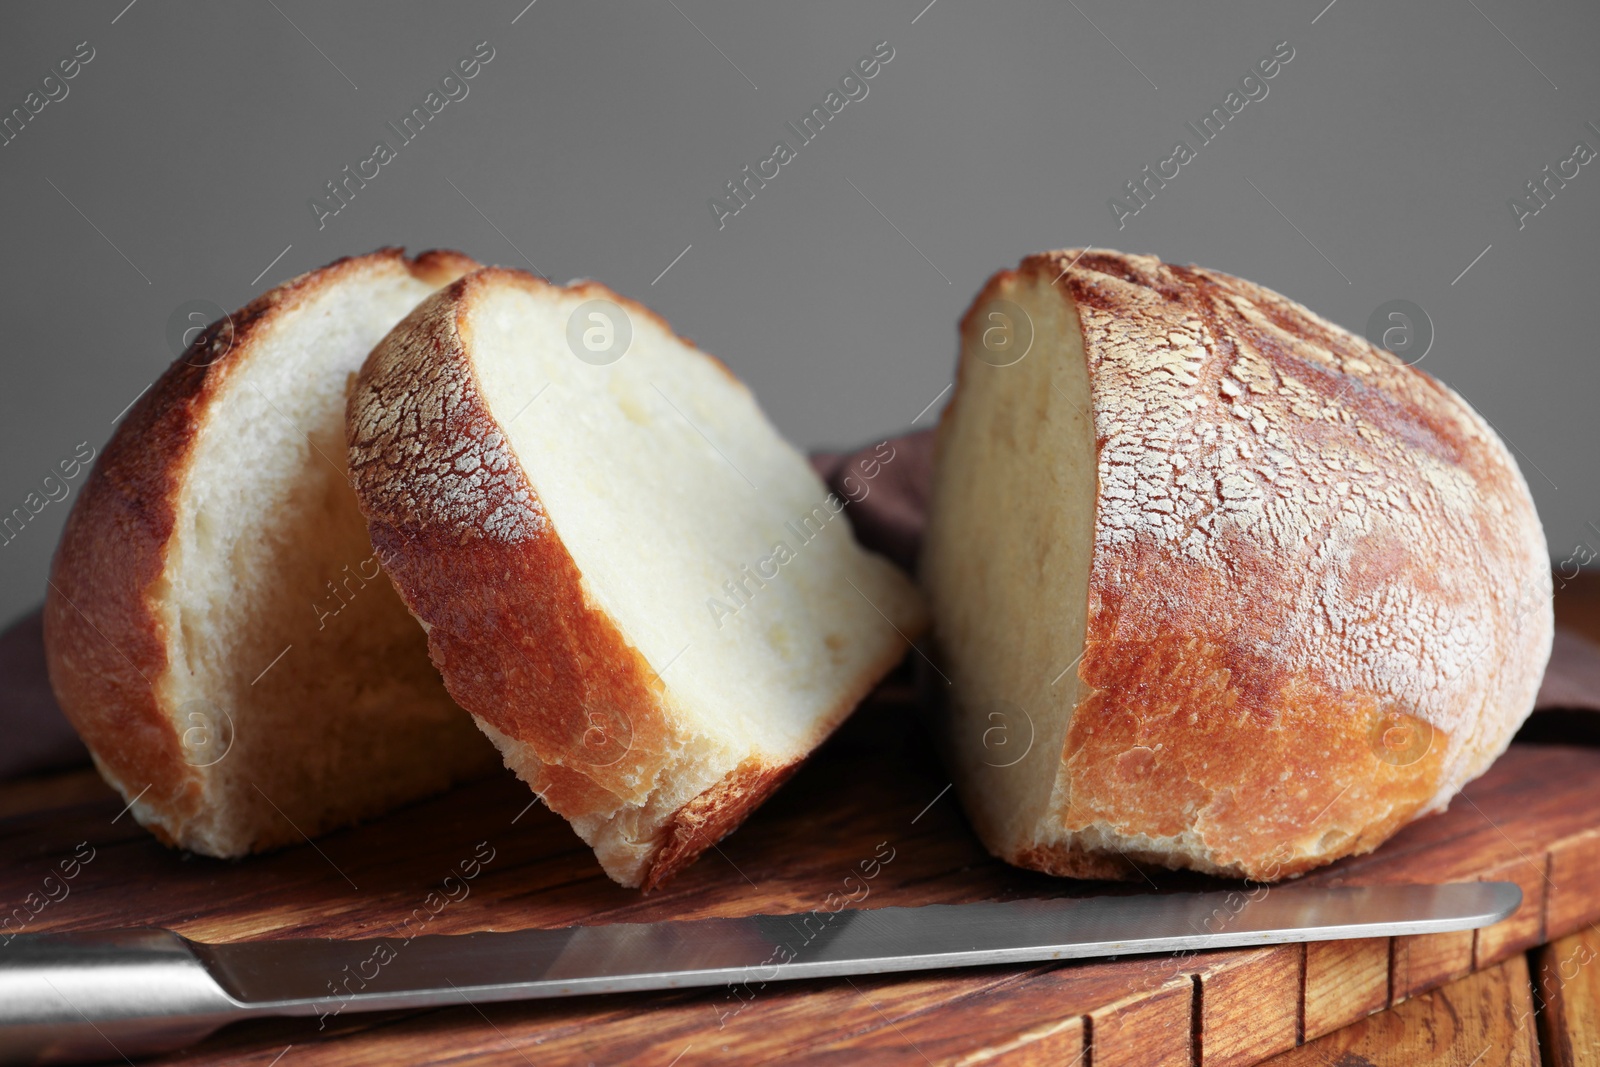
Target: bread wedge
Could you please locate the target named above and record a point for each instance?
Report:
(645, 597)
(217, 625)
(1218, 584)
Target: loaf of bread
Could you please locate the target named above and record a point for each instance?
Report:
(645, 597)
(1218, 584)
(217, 625)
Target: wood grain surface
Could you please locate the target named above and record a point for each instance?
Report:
(1344, 981)
(873, 804)
(1567, 984)
(875, 792)
(1483, 1020)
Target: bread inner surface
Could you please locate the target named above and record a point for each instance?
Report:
(672, 494)
(295, 666)
(1010, 549)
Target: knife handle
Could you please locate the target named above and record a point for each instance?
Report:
(82, 997)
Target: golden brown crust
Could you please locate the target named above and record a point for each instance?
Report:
(1071, 861)
(465, 541)
(510, 623)
(1180, 743)
(436, 266)
(713, 815)
(105, 641)
(1302, 548)
(719, 810)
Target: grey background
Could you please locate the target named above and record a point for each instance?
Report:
(184, 155)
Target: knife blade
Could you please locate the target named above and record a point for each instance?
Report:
(74, 997)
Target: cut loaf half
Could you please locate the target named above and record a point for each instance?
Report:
(217, 626)
(1219, 585)
(646, 597)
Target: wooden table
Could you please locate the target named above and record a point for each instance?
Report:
(877, 790)
(1538, 1008)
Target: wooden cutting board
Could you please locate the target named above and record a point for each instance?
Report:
(870, 817)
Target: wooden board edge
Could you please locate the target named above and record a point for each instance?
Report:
(1063, 1043)
(1263, 986)
(1344, 982)
(1573, 866)
(1524, 928)
(1567, 1005)
(1388, 971)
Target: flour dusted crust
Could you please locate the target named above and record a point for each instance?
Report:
(1298, 543)
(513, 625)
(448, 506)
(106, 637)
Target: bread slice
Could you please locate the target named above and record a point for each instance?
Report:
(646, 597)
(217, 627)
(1219, 585)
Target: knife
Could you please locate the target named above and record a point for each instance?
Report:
(79, 997)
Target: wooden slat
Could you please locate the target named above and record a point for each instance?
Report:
(1483, 1020)
(1427, 961)
(1151, 1029)
(1344, 981)
(1051, 1045)
(1250, 1006)
(895, 1021)
(1567, 973)
(1035, 1018)
(1523, 928)
(1574, 893)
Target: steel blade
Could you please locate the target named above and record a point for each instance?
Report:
(309, 976)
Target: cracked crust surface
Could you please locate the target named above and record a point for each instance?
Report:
(1299, 545)
(471, 552)
(520, 637)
